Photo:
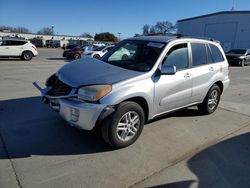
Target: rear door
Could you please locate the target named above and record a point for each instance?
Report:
(174, 91)
(4, 48)
(205, 66)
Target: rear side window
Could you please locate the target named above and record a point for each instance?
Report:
(216, 53)
(199, 54)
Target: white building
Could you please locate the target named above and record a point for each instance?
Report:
(64, 39)
(231, 28)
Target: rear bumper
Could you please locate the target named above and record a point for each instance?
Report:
(226, 84)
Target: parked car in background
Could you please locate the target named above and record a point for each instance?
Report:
(77, 52)
(238, 57)
(118, 95)
(18, 48)
(53, 43)
(101, 51)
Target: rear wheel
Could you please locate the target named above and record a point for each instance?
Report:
(211, 101)
(124, 126)
(77, 56)
(242, 63)
(27, 56)
(96, 56)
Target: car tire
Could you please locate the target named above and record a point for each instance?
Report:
(211, 101)
(27, 56)
(96, 56)
(77, 56)
(242, 62)
(125, 57)
(124, 126)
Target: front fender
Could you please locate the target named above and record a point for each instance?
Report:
(143, 89)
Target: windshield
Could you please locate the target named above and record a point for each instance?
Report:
(98, 48)
(237, 51)
(135, 55)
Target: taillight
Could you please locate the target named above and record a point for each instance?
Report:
(34, 48)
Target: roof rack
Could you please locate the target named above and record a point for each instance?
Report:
(178, 35)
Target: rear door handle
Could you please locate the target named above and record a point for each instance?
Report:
(6, 47)
(211, 69)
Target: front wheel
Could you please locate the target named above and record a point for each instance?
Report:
(211, 101)
(124, 126)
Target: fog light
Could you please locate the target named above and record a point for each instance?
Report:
(74, 114)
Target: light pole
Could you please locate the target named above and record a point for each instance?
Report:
(119, 34)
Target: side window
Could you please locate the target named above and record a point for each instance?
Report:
(199, 54)
(209, 55)
(217, 56)
(177, 56)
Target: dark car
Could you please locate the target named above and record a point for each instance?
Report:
(77, 52)
(238, 57)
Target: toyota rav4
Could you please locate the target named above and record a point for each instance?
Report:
(138, 80)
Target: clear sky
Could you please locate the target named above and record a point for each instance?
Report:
(75, 17)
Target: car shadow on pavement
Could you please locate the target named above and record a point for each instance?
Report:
(59, 59)
(29, 127)
(11, 59)
(226, 164)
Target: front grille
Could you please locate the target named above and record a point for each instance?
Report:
(58, 87)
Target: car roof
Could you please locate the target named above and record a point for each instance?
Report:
(171, 37)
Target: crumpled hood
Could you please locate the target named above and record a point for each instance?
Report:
(88, 71)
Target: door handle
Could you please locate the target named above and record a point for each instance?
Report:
(211, 69)
(187, 75)
(6, 47)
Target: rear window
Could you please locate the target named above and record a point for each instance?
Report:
(216, 53)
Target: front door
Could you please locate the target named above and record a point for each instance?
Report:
(174, 91)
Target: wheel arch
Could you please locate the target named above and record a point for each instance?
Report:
(27, 51)
(143, 103)
(220, 84)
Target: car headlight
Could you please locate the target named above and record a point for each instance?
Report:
(94, 92)
(242, 57)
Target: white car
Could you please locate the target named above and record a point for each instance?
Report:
(17, 48)
(99, 53)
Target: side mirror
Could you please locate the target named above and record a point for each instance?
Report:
(168, 70)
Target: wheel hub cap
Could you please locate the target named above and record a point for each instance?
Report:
(128, 126)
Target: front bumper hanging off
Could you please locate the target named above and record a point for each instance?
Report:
(77, 113)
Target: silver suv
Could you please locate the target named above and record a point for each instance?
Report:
(138, 80)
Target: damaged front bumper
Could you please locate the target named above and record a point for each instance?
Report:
(76, 112)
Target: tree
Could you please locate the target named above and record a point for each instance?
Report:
(164, 27)
(146, 29)
(46, 31)
(87, 35)
(16, 29)
(106, 36)
(159, 28)
(152, 30)
(137, 35)
(22, 30)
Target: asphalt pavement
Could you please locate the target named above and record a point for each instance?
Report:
(183, 149)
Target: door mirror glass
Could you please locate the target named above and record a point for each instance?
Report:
(168, 70)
